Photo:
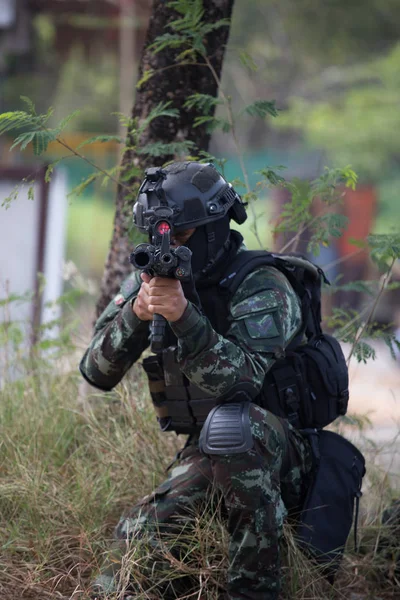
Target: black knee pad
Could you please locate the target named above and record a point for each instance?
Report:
(227, 430)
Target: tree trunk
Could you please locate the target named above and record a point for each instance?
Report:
(174, 84)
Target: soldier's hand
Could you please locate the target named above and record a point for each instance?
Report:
(166, 298)
(141, 305)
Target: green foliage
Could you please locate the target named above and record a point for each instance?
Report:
(159, 149)
(204, 103)
(37, 134)
(297, 214)
(102, 139)
(385, 248)
(364, 287)
(79, 189)
(13, 195)
(271, 176)
(213, 123)
(147, 74)
(188, 32)
(50, 169)
(358, 329)
(161, 110)
(248, 61)
(261, 108)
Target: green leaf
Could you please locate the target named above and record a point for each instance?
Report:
(335, 224)
(392, 343)
(159, 149)
(31, 193)
(67, 119)
(209, 27)
(161, 110)
(385, 248)
(261, 108)
(238, 183)
(363, 352)
(125, 121)
(29, 103)
(202, 102)
(102, 139)
(148, 74)
(24, 139)
(111, 173)
(247, 61)
(270, 175)
(186, 56)
(42, 140)
(50, 169)
(15, 120)
(212, 123)
(167, 40)
(81, 187)
(13, 195)
(365, 287)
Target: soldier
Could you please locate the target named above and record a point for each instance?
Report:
(217, 353)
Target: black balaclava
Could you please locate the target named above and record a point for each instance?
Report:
(207, 244)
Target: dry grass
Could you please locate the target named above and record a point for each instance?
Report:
(69, 468)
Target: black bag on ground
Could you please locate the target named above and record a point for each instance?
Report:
(327, 516)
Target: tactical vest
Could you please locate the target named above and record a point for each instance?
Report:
(308, 386)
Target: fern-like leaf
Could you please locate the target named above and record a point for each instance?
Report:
(385, 248)
(204, 103)
(261, 108)
(247, 61)
(42, 139)
(167, 40)
(148, 74)
(175, 148)
(24, 139)
(161, 110)
(270, 174)
(102, 139)
(364, 352)
(18, 119)
(64, 122)
(212, 123)
(29, 103)
(81, 187)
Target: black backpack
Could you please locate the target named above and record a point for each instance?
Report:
(309, 386)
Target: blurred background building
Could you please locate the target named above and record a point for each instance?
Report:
(332, 69)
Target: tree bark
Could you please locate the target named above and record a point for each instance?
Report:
(174, 83)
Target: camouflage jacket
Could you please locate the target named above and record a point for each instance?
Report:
(264, 316)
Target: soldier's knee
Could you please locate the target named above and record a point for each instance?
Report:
(270, 435)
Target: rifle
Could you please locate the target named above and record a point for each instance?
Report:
(162, 260)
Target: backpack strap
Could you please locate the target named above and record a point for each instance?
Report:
(303, 276)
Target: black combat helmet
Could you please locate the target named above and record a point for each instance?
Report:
(201, 199)
(196, 192)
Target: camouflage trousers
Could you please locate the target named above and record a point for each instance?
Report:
(255, 490)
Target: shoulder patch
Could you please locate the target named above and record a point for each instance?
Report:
(262, 327)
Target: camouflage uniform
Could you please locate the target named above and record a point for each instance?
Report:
(257, 486)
